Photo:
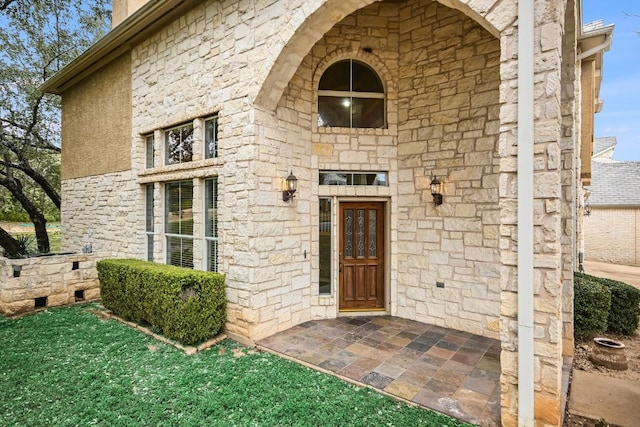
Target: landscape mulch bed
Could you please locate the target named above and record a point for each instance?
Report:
(581, 361)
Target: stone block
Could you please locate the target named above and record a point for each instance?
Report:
(547, 409)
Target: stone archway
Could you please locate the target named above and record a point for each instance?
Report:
(492, 15)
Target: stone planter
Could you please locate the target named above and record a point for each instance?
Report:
(30, 284)
(609, 353)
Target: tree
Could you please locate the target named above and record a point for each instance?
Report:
(37, 39)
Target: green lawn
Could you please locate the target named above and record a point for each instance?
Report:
(66, 367)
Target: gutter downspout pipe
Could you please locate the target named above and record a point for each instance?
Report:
(525, 152)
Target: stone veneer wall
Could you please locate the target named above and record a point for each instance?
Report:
(103, 211)
(266, 290)
(612, 234)
(52, 277)
(431, 139)
(199, 65)
(296, 139)
(548, 201)
(449, 80)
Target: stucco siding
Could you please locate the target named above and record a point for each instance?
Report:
(96, 122)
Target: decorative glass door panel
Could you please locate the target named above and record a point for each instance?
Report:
(361, 256)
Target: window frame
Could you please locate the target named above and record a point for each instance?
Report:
(150, 150)
(206, 135)
(170, 160)
(211, 235)
(325, 249)
(150, 219)
(194, 246)
(351, 94)
(180, 238)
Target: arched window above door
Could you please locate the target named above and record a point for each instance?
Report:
(350, 94)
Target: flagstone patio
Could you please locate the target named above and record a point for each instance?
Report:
(453, 372)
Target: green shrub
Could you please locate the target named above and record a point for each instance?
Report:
(188, 306)
(624, 314)
(591, 303)
(15, 216)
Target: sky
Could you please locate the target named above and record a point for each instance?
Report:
(620, 89)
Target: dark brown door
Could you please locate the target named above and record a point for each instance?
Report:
(361, 256)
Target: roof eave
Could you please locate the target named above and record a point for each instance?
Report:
(616, 206)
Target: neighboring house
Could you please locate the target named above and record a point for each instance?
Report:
(612, 228)
(181, 126)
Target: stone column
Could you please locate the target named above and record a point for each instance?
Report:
(571, 191)
(548, 217)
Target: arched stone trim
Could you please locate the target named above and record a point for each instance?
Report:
(493, 15)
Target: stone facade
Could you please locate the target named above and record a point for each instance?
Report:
(48, 281)
(103, 211)
(449, 69)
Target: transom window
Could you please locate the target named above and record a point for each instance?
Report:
(353, 178)
(350, 94)
(179, 148)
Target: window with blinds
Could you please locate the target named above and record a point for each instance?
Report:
(149, 228)
(179, 223)
(211, 222)
(149, 151)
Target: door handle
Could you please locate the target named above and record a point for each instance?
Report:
(340, 268)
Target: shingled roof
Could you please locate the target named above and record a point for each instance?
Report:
(615, 184)
(603, 144)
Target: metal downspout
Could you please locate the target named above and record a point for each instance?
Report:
(525, 212)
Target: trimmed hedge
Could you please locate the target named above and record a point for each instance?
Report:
(186, 305)
(623, 313)
(591, 304)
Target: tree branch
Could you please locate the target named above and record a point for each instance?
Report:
(11, 246)
(43, 182)
(5, 4)
(38, 219)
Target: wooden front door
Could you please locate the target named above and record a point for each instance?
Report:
(361, 256)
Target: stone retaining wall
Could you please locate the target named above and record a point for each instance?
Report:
(47, 281)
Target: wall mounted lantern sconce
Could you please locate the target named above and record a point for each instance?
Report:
(290, 186)
(587, 206)
(436, 191)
